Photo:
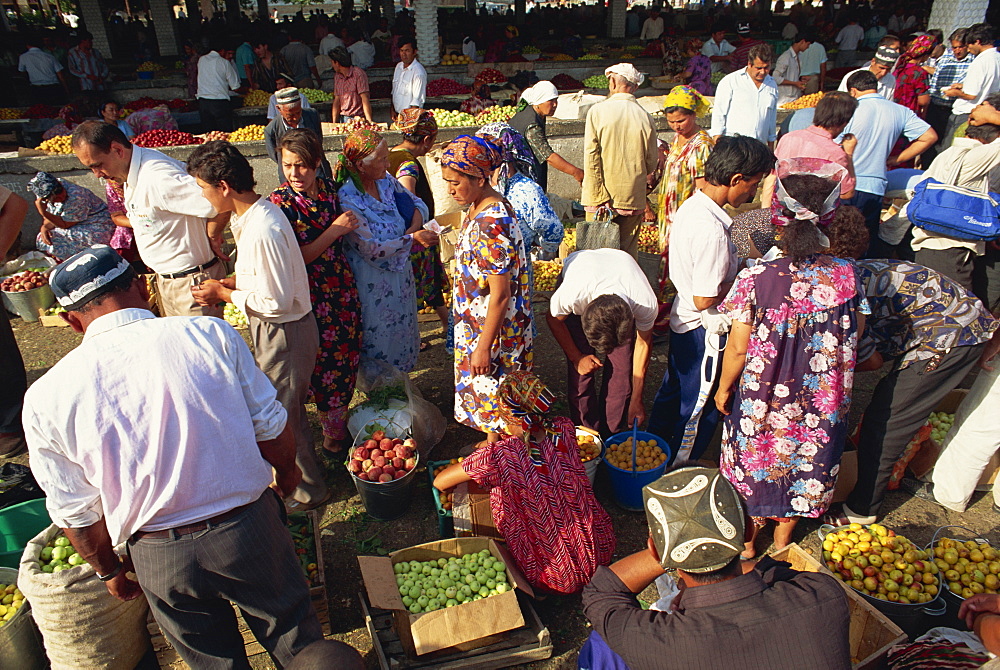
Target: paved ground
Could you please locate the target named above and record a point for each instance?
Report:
(349, 532)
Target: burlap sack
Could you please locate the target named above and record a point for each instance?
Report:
(443, 202)
(83, 625)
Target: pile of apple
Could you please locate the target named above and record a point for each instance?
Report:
(586, 445)
(496, 113)
(649, 239)
(11, 600)
(24, 281)
(969, 567)
(59, 555)
(546, 274)
(447, 497)
(491, 76)
(941, 423)
(445, 86)
(256, 98)
(450, 119)
(381, 459)
(426, 586)
(879, 563)
(159, 137)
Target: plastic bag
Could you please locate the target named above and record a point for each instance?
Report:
(414, 415)
(30, 260)
(17, 485)
(601, 233)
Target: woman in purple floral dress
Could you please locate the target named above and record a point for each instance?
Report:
(796, 322)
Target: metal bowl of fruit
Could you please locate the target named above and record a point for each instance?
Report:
(968, 566)
(591, 448)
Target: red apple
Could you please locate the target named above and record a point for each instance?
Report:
(370, 444)
(397, 442)
(375, 453)
(400, 474)
(385, 444)
(354, 466)
(404, 451)
(364, 476)
(366, 465)
(398, 462)
(360, 453)
(374, 473)
(388, 470)
(379, 461)
(411, 463)
(378, 435)
(385, 478)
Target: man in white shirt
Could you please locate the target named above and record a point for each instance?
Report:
(362, 52)
(703, 265)
(847, 41)
(177, 232)
(45, 73)
(652, 27)
(409, 81)
(271, 287)
(216, 78)
(718, 48)
(981, 79)
(788, 72)
(746, 101)
(813, 63)
(885, 59)
(604, 306)
(169, 445)
(328, 42)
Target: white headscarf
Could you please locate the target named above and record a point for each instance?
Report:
(626, 71)
(541, 92)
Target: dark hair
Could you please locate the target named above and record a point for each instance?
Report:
(219, 161)
(100, 135)
(675, 108)
(731, 569)
(981, 32)
(117, 286)
(985, 133)
(304, 143)
(960, 35)
(739, 155)
(888, 40)
(762, 52)
(408, 40)
(800, 239)
(848, 233)
(937, 34)
(863, 81)
(834, 110)
(82, 36)
(341, 57)
(260, 40)
(806, 35)
(717, 28)
(105, 103)
(993, 100)
(607, 323)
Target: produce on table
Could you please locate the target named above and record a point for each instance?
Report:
(382, 459)
(445, 86)
(562, 57)
(452, 59)
(941, 423)
(24, 281)
(805, 101)
(564, 82)
(596, 81)
(314, 95)
(213, 135)
(40, 111)
(426, 586)
(380, 89)
(569, 239)
(649, 239)
(531, 49)
(256, 98)
(590, 57)
(447, 497)
(879, 563)
(587, 446)
(149, 66)
(247, 134)
(11, 600)
(234, 316)
(546, 274)
(495, 113)
(648, 455)
(717, 77)
(354, 124)
(55, 310)
(300, 526)
(968, 567)
(60, 144)
(491, 76)
(59, 555)
(9, 113)
(164, 138)
(449, 119)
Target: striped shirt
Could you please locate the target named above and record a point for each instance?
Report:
(949, 71)
(83, 64)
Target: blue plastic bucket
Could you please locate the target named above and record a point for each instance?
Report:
(627, 484)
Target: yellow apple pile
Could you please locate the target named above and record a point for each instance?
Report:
(805, 101)
(969, 567)
(649, 239)
(60, 144)
(587, 446)
(648, 455)
(546, 274)
(247, 134)
(256, 98)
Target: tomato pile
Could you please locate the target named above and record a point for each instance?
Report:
(164, 138)
(40, 111)
(564, 82)
(445, 86)
(491, 76)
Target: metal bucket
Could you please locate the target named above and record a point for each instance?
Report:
(27, 303)
(21, 645)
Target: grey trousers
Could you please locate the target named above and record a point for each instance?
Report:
(955, 263)
(286, 353)
(247, 560)
(954, 121)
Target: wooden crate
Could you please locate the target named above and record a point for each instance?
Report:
(872, 633)
(521, 645)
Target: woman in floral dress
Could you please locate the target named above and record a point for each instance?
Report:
(493, 319)
(73, 217)
(698, 71)
(791, 355)
(310, 203)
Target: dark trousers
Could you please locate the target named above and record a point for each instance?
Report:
(604, 410)
(937, 116)
(684, 412)
(216, 114)
(51, 94)
(871, 207)
(900, 405)
(986, 278)
(954, 263)
(15, 382)
(248, 560)
(954, 121)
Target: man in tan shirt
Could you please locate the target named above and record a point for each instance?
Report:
(619, 151)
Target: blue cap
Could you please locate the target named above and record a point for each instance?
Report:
(85, 275)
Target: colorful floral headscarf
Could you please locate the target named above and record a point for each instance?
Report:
(475, 156)
(688, 98)
(782, 200)
(517, 155)
(919, 47)
(416, 121)
(524, 399)
(44, 185)
(361, 143)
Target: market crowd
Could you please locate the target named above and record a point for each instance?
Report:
(770, 312)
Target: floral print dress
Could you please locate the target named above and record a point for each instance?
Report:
(90, 218)
(335, 304)
(490, 244)
(783, 440)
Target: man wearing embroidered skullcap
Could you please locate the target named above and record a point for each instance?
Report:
(537, 104)
(291, 115)
(619, 151)
(176, 447)
(726, 611)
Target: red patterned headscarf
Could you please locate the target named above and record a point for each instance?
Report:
(523, 398)
(475, 156)
(919, 47)
(361, 143)
(416, 121)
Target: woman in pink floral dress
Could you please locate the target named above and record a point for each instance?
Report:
(791, 357)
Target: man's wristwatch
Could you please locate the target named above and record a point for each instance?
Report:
(114, 573)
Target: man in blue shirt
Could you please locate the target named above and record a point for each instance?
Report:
(948, 70)
(878, 123)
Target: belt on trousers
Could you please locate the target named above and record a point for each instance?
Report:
(191, 271)
(190, 528)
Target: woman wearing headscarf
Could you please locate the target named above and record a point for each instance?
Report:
(73, 217)
(540, 226)
(538, 103)
(698, 69)
(419, 131)
(790, 357)
(480, 99)
(683, 172)
(912, 82)
(512, 46)
(70, 118)
(390, 220)
(540, 498)
(492, 312)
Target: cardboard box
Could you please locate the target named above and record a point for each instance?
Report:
(872, 634)
(473, 516)
(431, 631)
(51, 320)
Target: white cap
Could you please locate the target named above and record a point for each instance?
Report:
(628, 72)
(541, 92)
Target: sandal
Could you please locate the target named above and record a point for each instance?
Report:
(292, 505)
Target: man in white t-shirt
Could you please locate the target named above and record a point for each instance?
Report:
(981, 79)
(177, 232)
(848, 39)
(604, 306)
(718, 49)
(880, 66)
(703, 265)
(409, 81)
(788, 71)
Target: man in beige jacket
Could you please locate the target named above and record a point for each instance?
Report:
(619, 151)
